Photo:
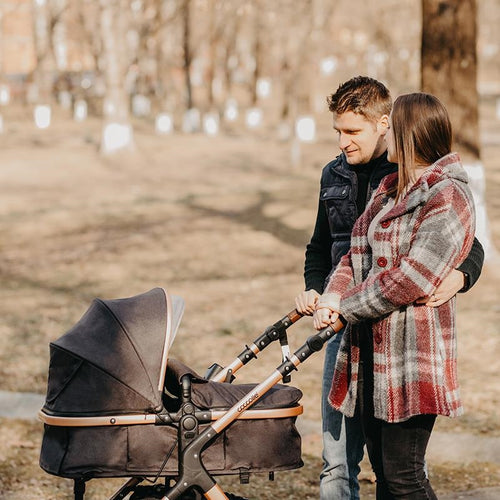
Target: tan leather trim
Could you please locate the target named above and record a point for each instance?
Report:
(246, 402)
(148, 419)
(168, 332)
(260, 414)
(214, 493)
(96, 421)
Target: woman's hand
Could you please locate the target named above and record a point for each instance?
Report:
(327, 310)
(321, 318)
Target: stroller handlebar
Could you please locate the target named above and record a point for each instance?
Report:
(192, 464)
(277, 331)
(294, 315)
(339, 324)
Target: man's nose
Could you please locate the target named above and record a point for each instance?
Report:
(344, 140)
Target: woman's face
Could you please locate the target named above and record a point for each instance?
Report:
(389, 139)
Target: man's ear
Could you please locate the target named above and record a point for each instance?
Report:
(383, 124)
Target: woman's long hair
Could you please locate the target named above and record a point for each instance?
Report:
(422, 135)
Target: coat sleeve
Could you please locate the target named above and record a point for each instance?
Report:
(343, 278)
(473, 265)
(440, 240)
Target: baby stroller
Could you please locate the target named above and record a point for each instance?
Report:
(118, 406)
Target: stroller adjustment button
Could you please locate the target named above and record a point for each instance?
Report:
(189, 423)
(188, 409)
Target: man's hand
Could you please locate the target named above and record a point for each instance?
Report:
(448, 288)
(305, 302)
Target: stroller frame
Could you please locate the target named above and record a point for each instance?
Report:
(192, 473)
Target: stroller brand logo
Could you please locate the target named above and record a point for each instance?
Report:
(248, 402)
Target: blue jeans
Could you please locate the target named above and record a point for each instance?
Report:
(343, 440)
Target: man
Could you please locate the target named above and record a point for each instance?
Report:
(360, 108)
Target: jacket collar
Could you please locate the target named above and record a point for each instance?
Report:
(379, 167)
(447, 167)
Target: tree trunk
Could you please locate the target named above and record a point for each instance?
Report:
(45, 69)
(117, 130)
(229, 50)
(449, 66)
(160, 67)
(449, 71)
(257, 52)
(186, 20)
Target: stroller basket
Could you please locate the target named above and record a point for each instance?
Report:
(266, 440)
(117, 406)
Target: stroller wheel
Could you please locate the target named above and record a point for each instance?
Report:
(230, 496)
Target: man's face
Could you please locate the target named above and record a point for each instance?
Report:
(361, 140)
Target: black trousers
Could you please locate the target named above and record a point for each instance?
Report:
(396, 450)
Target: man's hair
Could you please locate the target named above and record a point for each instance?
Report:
(362, 95)
(422, 134)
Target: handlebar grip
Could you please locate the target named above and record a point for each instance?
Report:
(339, 324)
(294, 316)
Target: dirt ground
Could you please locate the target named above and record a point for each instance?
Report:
(222, 222)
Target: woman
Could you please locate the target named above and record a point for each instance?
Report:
(397, 359)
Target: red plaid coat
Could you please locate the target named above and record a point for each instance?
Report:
(416, 244)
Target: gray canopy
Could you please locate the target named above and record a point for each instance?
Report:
(114, 359)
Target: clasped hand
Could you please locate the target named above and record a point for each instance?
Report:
(327, 310)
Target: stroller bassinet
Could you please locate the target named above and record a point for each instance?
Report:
(117, 406)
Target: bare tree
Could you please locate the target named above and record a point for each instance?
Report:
(232, 27)
(87, 19)
(186, 44)
(449, 66)
(117, 129)
(152, 33)
(449, 71)
(45, 66)
(308, 22)
(224, 22)
(257, 49)
(4, 11)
